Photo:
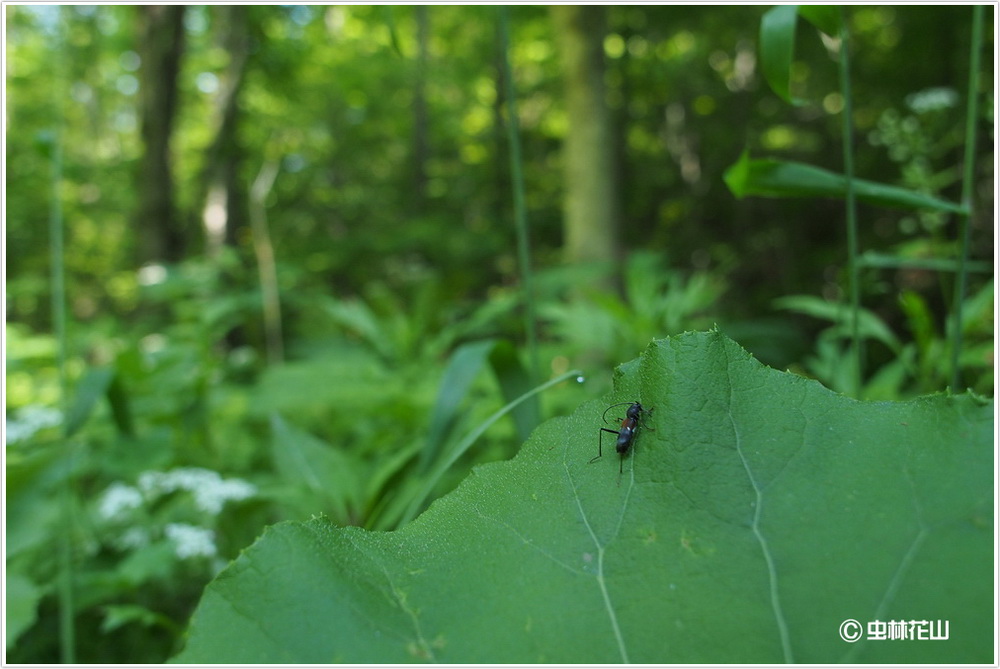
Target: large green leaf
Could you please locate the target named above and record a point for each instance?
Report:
(756, 513)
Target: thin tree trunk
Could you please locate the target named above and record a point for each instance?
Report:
(225, 197)
(590, 204)
(160, 45)
(266, 266)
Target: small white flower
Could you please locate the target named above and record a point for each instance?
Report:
(932, 99)
(133, 538)
(190, 541)
(29, 420)
(183, 478)
(213, 497)
(149, 484)
(118, 500)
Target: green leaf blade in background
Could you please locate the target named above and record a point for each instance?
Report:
(767, 177)
(463, 366)
(777, 47)
(757, 513)
(826, 18)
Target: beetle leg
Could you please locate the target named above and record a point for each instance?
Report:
(600, 444)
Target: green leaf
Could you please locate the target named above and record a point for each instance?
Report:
(121, 411)
(358, 317)
(92, 387)
(22, 597)
(869, 324)
(757, 513)
(119, 615)
(782, 178)
(826, 18)
(885, 260)
(96, 383)
(777, 44)
(315, 470)
(463, 366)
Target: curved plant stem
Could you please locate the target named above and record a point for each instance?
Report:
(445, 463)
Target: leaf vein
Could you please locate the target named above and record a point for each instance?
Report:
(602, 585)
(902, 568)
(526, 540)
(765, 548)
(400, 598)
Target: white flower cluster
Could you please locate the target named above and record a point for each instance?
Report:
(191, 541)
(29, 420)
(118, 500)
(208, 489)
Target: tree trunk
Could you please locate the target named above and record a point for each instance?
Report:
(590, 205)
(224, 208)
(160, 45)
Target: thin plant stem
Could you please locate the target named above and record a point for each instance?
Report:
(520, 208)
(968, 174)
(67, 613)
(851, 207)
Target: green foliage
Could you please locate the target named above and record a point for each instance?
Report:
(904, 368)
(382, 477)
(107, 485)
(340, 430)
(789, 179)
(601, 327)
(398, 278)
(757, 513)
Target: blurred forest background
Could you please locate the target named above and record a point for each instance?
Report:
(293, 281)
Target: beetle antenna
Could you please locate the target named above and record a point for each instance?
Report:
(604, 415)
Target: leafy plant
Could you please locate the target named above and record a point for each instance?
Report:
(153, 432)
(600, 327)
(759, 513)
(783, 178)
(385, 487)
(142, 536)
(918, 365)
